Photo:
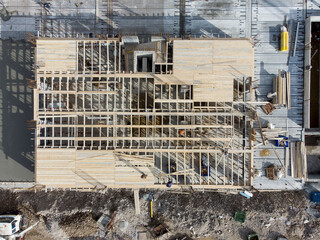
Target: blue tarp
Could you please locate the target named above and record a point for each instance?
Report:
(315, 197)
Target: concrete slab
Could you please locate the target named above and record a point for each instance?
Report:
(263, 183)
(16, 146)
(267, 17)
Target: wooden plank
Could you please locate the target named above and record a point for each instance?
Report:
(212, 61)
(275, 99)
(298, 161)
(288, 90)
(293, 159)
(284, 91)
(57, 55)
(280, 86)
(136, 201)
(277, 154)
(286, 161)
(132, 175)
(262, 135)
(304, 160)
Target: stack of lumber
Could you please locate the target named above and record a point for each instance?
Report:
(268, 108)
(281, 85)
(298, 160)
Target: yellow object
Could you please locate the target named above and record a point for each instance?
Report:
(284, 44)
(264, 152)
(151, 210)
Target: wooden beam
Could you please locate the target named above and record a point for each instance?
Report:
(133, 126)
(77, 113)
(264, 141)
(135, 138)
(136, 201)
(277, 154)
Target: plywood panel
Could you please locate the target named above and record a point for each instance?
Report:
(212, 65)
(75, 168)
(94, 168)
(191, 57)
(57, 55)
(132, 175)
(54, 167)
(214, 88)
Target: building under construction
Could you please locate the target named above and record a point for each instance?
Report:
(115, 112)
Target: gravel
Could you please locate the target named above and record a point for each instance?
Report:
(209, 215)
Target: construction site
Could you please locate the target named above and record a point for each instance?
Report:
(115, 113)
(148, 107)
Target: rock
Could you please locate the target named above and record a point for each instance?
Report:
(142, 236)
(288, 223)
(267, 225)
(306, 221)
(123, 225)
(296, 231)
(271, 219)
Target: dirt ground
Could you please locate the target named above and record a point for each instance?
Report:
(74, 215)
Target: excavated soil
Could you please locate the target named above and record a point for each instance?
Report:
(209, 215)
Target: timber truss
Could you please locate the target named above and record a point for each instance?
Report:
(145, 122)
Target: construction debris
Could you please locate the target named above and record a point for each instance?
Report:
(253, 236)
(298, 160)
(159, 230)
(103, 222)
(110, 224)
(240, 216)
(271, 172)
(246, 194)
(268, 108)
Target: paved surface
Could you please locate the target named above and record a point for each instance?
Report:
(16, 146)
(142, 17)
(267, 18)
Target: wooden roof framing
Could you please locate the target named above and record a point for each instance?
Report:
(99, 126)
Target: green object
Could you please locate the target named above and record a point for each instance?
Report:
(253, 236)
(240, 216)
